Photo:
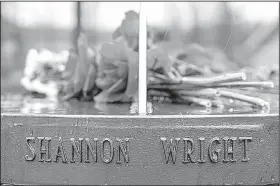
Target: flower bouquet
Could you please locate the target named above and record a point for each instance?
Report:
(195, 75)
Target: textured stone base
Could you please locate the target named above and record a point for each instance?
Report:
(189, 150)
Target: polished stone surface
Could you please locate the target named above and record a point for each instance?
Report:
(19, 104)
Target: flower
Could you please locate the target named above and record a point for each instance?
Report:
(43, 71)
(81, 72)
(117, 73)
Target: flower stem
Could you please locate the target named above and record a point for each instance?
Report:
(237, 84)
(245, 98)
(196, 100)
(215, 79)
(206, 92)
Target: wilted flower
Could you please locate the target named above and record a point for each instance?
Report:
(117, 73)
(43, 71)
(81, 71)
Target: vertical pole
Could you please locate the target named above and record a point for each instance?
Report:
(196, 27)
(142, 77)
(78, 25)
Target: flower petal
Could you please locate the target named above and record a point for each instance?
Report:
(105, 82)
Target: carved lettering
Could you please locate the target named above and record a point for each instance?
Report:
(60, 152)
(44, 149)
(31, 149)
(48, 146)
(91, 150)
(201, 150)
(229, 149)
(122, 149)
(78, 150)
(170, 149)
(214, 154)
(194, 150)
(188, 152)
(245, 140)
(111, 150)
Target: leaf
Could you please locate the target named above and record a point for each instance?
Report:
(70, 65)
(118, 86)
(132, 82)
(189, 69)
(111, 73)
(90, 79)
(105, 82)
(122, 70)
(119, 69)
(106, 64)
(82, 65)
(83, 79)
(113, 51)
(158, 59)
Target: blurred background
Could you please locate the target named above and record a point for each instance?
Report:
(247, 32)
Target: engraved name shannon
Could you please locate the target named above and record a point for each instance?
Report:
(77, 150)
(217, 149)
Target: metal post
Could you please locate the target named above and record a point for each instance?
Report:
(142, 77)
(78, 25)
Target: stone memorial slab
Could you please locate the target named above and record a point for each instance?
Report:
(44, 142)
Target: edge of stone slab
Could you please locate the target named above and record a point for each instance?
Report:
(138, 116)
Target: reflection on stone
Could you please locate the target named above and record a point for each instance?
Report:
(33, 105)
(15, 103)
(134, 108)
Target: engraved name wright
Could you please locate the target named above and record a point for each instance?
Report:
(196, 150)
